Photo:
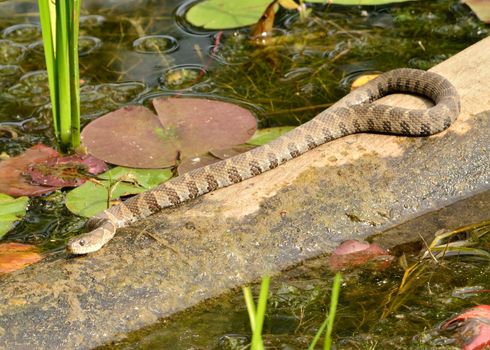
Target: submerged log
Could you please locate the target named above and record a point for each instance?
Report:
(347, 189)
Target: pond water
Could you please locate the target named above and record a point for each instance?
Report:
(132, 51)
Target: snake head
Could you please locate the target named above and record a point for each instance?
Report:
(83, 244)
(102, 230)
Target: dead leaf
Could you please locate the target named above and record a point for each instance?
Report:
(16, 256)
(12, 180)
(264, 25)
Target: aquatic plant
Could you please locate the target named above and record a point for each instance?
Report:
(257, 314)
(59, 25)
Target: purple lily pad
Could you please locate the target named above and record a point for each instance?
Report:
(135, 137)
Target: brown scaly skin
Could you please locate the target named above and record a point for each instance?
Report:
(360, 115)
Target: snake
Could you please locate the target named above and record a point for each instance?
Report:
(357, 114)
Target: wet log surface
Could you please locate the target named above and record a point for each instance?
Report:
(350, 188)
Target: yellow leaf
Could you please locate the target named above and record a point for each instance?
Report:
(363, 79)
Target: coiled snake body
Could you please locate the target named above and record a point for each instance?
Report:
(358, 115)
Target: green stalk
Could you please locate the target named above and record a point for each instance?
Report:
(249, 301)
(330, 317)
(257, 343)
(50, 57)
(74, 11)
(63, 67)
(334, 299)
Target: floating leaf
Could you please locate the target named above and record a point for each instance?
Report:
(226, 14)
(15, 256)
(70, 171)
(359, 2)
(11, 210)
(13, 182)
(263, 136)
(134, 137)
(147, 178)
(93, 197)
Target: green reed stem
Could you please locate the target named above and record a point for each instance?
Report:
(59, 25)
(330, 317)
(257, 316)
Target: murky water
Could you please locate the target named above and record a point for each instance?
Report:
(131, 51)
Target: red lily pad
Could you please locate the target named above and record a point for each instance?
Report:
(471, 329)
(40, 169)
(135, 137)
(70, 171)
(15, 256)
(12, 180)
(353, 253)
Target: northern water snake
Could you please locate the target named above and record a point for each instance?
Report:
(358, 115)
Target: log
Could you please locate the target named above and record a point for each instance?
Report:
(347, 189)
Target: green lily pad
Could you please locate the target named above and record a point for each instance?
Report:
(226, 14)
(359, 2)
(147, 178)
(92, 198)
(263, 136)
(11, 210)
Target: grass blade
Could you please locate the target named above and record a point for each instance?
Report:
(74, 15)
(63, 68)
(49, 56)
(334, 299)
(330, 317)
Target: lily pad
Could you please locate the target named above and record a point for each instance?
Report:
(15, 256)
(11, 210)
(135, 137)
(70, 171)
(226, 14)
(263, 136)
(93, 197)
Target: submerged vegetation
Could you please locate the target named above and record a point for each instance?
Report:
(400, 307)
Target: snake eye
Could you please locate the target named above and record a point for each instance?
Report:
(81, 242)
